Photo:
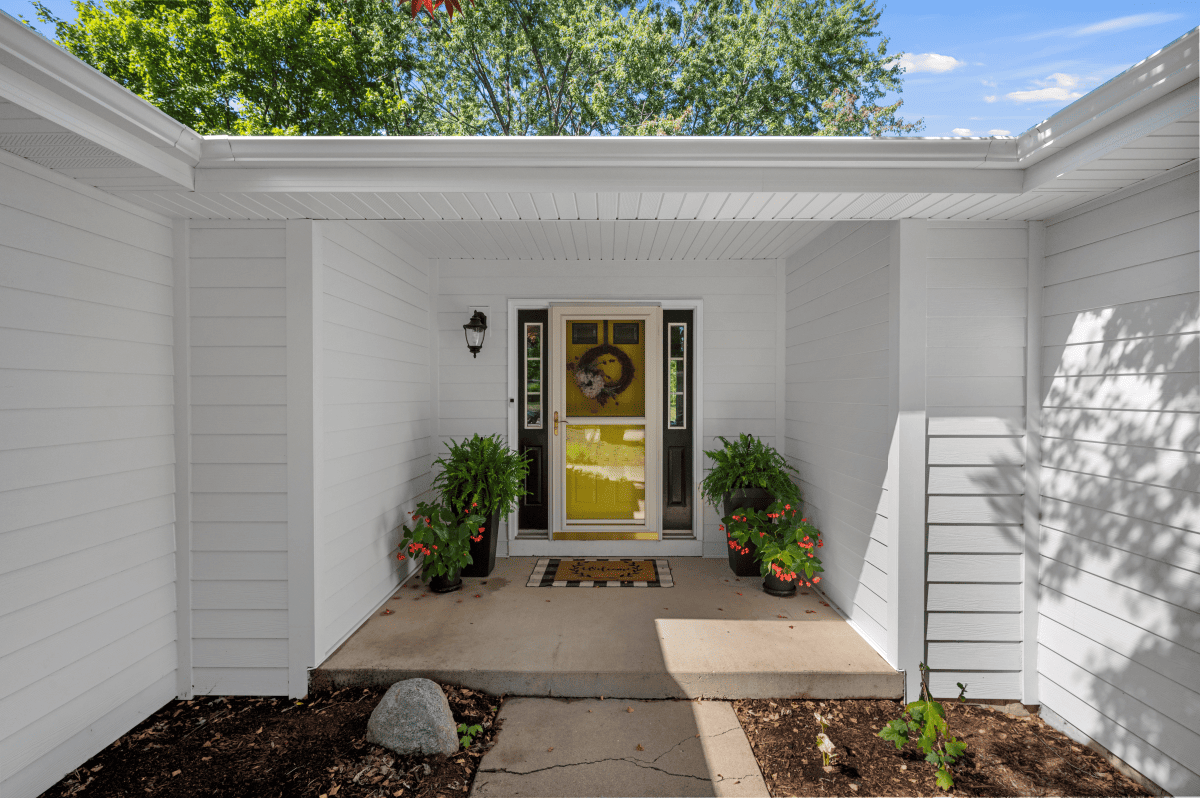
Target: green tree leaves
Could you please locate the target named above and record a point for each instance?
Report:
(253, 67)
(502, 67)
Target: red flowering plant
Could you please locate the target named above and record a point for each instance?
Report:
(442, 537)
(786, 545)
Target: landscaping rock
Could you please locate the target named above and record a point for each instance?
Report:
(414, 718)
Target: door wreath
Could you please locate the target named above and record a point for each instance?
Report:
(590, 376)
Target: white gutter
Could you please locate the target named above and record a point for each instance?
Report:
(54, 84)
(1171, 68)
(604, 151)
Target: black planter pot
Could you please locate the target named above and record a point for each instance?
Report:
(755, 499)
(446, 584)
(483, 552)
(774, 586)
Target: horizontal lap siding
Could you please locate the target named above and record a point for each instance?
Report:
(1119, 633)
(976, 397)
(377, 432)
(87, 539)
(836, 428)
(738, 345)
(239, 458)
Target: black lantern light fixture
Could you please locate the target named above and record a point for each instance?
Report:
(475, 330)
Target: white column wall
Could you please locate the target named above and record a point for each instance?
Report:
(376, 425)
(87, 538)
(976, 318)
(837, 409)
(238, 352)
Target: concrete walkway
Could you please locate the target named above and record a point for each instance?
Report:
(710, 636)
(588, 747)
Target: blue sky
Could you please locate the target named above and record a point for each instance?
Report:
(991, 68)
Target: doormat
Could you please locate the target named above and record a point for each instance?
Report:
(600, 572)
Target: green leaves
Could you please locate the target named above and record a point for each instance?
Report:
(748, 463)
(895, 731)
(441, 536)
(955, 749)
(502, 67)
(468, 734)
(481, 475)
(927, 718)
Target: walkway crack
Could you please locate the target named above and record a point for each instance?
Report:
(693, 737)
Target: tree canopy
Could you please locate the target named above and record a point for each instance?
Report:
(501, 67)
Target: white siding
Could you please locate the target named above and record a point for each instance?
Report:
(378, 435)
(87, 540)
(739, 341)
(975, 382)
(838, 397)
(1119, 633)
(239, 458)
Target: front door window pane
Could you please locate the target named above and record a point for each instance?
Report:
(606, 472)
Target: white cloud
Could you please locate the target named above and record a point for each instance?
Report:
(1056, 88)
(989, 83)
(961, 131)
(928, 62)
(999, 132)
(990, 98)
(1125, 23)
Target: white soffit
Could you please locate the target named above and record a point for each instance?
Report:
(72, 97)
(608, 240)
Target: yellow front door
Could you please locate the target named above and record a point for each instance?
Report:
(607, 373)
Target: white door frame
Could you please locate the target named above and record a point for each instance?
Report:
(612, 548)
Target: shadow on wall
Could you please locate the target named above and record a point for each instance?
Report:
(1119, 603)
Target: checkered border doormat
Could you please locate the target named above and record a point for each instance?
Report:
(543, 573)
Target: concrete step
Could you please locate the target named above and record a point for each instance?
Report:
(710, 636)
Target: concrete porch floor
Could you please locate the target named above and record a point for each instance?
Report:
(712, 635)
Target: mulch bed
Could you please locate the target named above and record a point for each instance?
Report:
(1006, 755)
(265, 747)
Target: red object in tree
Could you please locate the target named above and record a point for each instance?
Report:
(430, 6)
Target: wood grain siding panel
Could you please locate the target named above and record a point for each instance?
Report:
(239, 472)
(976, 391)
(87, 457)
(1120, 623)
(376, 425)
(836, 409)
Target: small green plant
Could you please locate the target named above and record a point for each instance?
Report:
(468, 734)
(748, 463)
(482, 475)
(926, 719)
(784, 545)
(824, 744)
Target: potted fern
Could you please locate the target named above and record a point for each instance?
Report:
(481, 475)
(747, 474)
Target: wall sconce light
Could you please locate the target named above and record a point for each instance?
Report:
(475, 330)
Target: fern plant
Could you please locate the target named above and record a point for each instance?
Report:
(481, 475)
(748, 463)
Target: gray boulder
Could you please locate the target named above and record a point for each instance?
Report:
(414, 718)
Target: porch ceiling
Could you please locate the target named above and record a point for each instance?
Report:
(609, 240)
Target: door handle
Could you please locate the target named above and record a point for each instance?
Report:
(557, 422)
